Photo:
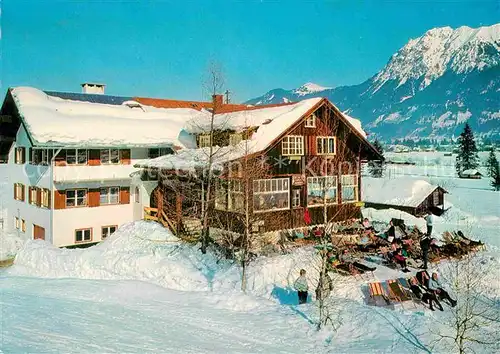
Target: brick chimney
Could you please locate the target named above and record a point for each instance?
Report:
(217, 102)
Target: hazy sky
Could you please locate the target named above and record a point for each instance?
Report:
(162, 48)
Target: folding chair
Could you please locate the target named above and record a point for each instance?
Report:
(377, 291)
(398, 293)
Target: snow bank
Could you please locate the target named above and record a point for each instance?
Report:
(52, 120)
(140, 251)
(10, 244)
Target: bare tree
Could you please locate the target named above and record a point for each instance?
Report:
(474, 323)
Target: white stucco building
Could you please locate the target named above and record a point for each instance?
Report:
(70, 161)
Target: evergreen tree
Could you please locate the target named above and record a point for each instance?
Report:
(376, 168)
(491, 163)
(495, 183)
(467, 151)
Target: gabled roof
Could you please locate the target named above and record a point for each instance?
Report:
(471, 172)
(403, 191)
(54, 121)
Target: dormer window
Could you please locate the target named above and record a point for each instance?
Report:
(204, 140)
(235, 139)
(292, 145)
(311, 121)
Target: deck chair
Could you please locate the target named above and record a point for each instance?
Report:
(398, 293)
(377, 291)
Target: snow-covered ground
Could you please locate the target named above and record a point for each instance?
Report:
(142, 290)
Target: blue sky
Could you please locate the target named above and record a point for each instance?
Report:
(160, 48)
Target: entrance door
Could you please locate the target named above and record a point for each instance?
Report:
(38, 232)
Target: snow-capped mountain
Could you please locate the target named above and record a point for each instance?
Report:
(429, 88)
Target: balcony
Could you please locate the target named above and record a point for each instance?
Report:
(86, 173)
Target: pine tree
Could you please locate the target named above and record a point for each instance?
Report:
(491, 163)
(376, 168)
(495, 183)
(467, 156)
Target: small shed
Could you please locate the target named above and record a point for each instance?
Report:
(411, 195)
(471, 173)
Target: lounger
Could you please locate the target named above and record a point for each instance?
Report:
(378, 291)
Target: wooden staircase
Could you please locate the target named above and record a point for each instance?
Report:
(188, 229)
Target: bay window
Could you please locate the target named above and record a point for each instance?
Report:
(349, 188)
(321, 189)
(271, 194)
(292, 145)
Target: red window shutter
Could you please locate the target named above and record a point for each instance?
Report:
(59, 199)
(94, 157)
(125, 157)
(124, 195)
(30, 200)
(93, 197)
(38, 197)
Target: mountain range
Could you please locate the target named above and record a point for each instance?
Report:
(428, 89)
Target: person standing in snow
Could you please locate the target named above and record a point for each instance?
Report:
(302, 287)
(425, 241)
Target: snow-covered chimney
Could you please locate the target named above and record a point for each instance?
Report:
(92, 87)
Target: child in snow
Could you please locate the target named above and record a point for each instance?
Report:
(302, 287)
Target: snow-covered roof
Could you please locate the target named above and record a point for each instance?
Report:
(404, 191)
(356, 123)
(272, 121)
(470, 172)
(53, 121)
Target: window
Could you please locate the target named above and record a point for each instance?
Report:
(45, 196)
(326, 145)
(76, 198)
(235, 139)
(23, 225)
(349, 188)
(296, 197)
(110, 156)
(235, 193)
(76, 156)
(204, 140)
(157, 152)
(110, 195)
(41, 156)
(220, 195)
(20, 155)
(17, 222)
(32, 195)
(83, 235)
(108, 231)
(435, 197)
(137, 195)
(310, 121)
(19, 191)
(293, 145)
(271, 194)
(321, 189)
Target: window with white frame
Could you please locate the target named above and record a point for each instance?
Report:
(321, 189)
(310, 121)
(235, 194)
(349, 188)
(235, 139)
(110, 156)
(45, 196)
(20, 155)
(83, 235)
(271, 194)
(326, 145)
(292, 145)
(204, 140)
(108, 231)
(76, 156)
(296, 192)
(76, 198)
(109, 195)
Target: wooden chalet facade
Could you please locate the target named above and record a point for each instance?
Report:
(306, 175)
